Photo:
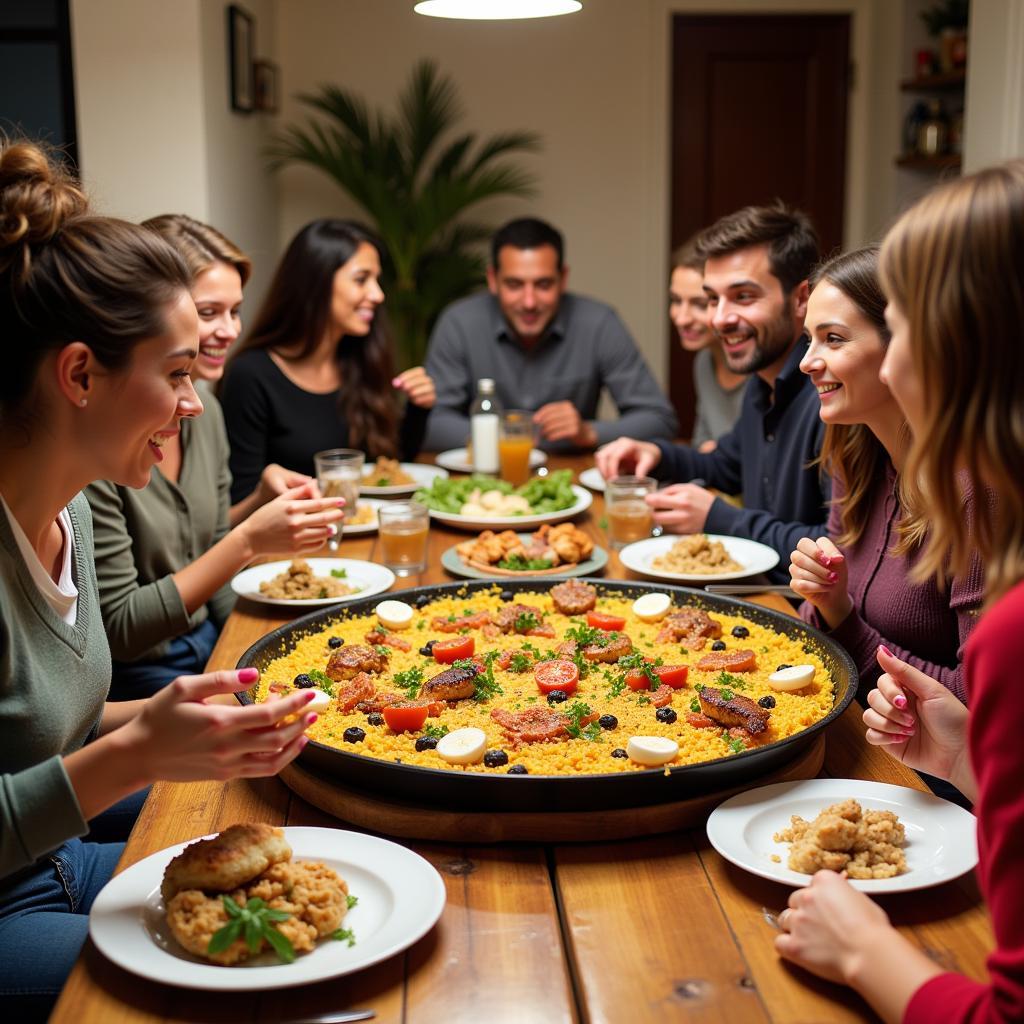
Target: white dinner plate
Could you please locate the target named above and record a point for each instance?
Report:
(400, 896)
(583, 500)
(368, 576)
(940, 845)
(457, 459)
(422, 476)
(592, 478)
(755, 558)
(352, 531)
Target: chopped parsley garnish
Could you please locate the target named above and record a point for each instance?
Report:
(519, 564)
(422, 624)
(255, 923)
(727, 694)
(577, 711)
(339, 574)
(585, 636)
(435, 730)
(323, 592)
(484, 683)
(525, 621)
(344, 935)
(351, 901)
(695, 706)
(737, 746)
(643, 700)
(324, 682)
(519, 662)
(382, 650)
(410, 680)
(636, 662)
(725, 679)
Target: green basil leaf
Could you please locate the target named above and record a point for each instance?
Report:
(282, 947)
(254, 934)
(221, 939)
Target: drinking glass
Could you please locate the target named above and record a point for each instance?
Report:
(629, 516)
(404, 528)
(515, 443)
(339, 471)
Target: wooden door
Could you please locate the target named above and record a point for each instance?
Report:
(758, 112)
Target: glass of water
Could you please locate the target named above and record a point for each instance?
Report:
(339, 471)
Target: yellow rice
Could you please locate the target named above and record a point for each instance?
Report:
(793, 711)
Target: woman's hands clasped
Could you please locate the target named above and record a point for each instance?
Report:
(817, 571)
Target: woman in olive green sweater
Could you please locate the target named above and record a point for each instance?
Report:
(98, 332)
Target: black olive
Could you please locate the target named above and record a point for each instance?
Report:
(427, 650)
(506, 596)
(779, 668)
(718, 645)
(495, 758)
(375, 718)
(767, 701)
(619, 752)
(608, 722)
(557, 697)
(740, 632)
(426, 743)
(302, 681)
(666, 715)
(334, 642)
(422, 600)
(518, 769)
(353, 734)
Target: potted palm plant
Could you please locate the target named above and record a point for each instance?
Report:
(415, 178)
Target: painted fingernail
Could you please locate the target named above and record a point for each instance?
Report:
(907, 734)
(885, 650)
(823, 558)
(900, 701)
(833, 576)
(248, 675)
(311, 718)
(395, 382)
(303, 740)
(340, 502)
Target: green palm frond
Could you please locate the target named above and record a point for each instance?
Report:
(414, 185)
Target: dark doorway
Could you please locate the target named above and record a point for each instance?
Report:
(758, 112)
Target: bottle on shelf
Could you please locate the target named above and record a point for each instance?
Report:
(485, 427)
(932, 135)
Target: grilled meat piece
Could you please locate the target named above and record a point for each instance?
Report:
(505, 618)
(610, 647)
(737, 710)
(361, 688)
(691, 626)
(535, 724)
(451, 684)
(456, 625)
(728, 661)
(350, 660)
(375, 636)
(573, 597)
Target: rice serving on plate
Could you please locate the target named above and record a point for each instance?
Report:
(696, 554)
(299, 583)
(600, 717)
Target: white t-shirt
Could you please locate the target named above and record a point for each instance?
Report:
(61, 596)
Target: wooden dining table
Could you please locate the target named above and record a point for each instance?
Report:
(627, 931)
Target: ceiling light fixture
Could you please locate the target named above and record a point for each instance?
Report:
(496, 10)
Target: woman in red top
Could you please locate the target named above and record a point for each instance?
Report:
(951, 272)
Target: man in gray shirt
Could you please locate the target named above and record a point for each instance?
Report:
(547, 350)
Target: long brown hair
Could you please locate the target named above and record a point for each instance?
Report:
(67, 276)
(952, 266)
(199, 245)
(297, 311)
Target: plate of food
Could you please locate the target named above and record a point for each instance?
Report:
(312, 582)
(483, 502)
(561, 550)
(789, 830)
(388, 478)
(592, 478)
(331, 902)
(653, 683)
(458, 460)
(365, 518)
(698, 557)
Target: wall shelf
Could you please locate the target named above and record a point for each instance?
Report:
(918, 162)
(931, 83)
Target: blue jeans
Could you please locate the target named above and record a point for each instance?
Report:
(44, 913)
(186, 656)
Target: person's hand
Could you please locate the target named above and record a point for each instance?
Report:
(178, 737)
(817, 571)
(275, 480)
(707, 447)
(297, 520)
(561, 421)
(919, 722)
(681, 508)
(624, 455)
(418, 385)
(827, 926)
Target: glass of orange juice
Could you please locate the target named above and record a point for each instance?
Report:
(404, 527)
(629, 516)
(515, 443)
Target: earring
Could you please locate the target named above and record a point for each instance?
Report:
(83, 402)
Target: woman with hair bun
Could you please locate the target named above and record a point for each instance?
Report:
(955, 309)
(165, 554)
(99, 336)
(317, 369)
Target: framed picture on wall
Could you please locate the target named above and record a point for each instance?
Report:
(241, 29)
(267, 77)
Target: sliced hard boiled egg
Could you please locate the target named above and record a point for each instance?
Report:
(320, 700)
(652, 607)
(796, 677)
(464, 746)
(651, 750)
(394, 614)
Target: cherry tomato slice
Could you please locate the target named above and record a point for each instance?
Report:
(405, 719)
(447, 651)
(557, 674)
(610, 623)
(669, 675)
(637, 681)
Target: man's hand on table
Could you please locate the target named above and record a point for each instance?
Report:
(681, 508)
(626, 455)
(561, 421)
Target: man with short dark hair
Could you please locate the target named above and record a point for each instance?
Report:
(548, 351)
(756, 265)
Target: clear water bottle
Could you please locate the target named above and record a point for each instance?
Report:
(484, 427)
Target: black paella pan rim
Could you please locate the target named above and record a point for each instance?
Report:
(498, 791)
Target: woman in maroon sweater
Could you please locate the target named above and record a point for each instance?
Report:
(950, 268)
(856, 580)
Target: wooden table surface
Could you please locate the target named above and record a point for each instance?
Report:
(650, 930)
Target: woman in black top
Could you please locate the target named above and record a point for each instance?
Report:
(316, 371)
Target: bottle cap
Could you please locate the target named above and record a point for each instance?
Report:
(485, 384)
